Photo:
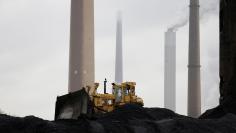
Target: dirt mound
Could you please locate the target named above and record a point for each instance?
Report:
(127, 119)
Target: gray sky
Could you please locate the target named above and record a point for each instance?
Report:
(34, 46)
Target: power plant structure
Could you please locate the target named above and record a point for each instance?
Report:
(81, 85)
(119, 51)
(194, 72)
(170, 70)
(81, 62)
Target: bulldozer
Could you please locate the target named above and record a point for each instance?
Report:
(88, 101)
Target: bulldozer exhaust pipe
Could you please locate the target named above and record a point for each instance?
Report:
(105, 86)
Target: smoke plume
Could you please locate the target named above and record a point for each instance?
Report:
(178, 25)
(206, 8)
(1, 112)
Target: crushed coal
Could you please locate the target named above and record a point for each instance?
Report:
(226, 107)
(126, 119)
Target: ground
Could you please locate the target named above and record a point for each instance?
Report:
(127, 119)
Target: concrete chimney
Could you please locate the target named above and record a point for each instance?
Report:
(194, 76)
(81, 62)
(119, 53)
(170, 70)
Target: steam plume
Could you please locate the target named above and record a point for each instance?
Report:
(210, 7)
(1, 112)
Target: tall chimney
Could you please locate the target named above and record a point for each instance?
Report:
(81, 62)
(119, 53)
(194, 76)
(170, 70)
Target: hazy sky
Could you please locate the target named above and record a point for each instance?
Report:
(34, 49)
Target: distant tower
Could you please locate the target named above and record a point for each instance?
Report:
(81, 62)
(119, 53)
(170, 70)
(194, 76)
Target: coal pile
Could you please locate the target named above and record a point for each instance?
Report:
(226, 107)
(127, 119)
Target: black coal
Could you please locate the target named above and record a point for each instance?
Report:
(127, 119)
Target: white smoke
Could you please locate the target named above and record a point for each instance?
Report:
(208, 7)
(1, 112)
(178, 25)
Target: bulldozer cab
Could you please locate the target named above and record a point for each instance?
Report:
(123, 92)
(117, 92)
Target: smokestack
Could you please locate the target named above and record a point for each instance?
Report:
(170, 70)
(119, 53)
(81, 62)
(194, 76)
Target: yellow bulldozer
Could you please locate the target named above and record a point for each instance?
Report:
(123, 93)
(88, 101)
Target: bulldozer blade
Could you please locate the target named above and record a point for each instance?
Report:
(72, 105)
